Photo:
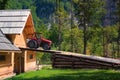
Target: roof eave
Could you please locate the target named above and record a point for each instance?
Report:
(25, 23)
(16, 51)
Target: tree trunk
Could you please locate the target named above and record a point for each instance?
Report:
(118, 42)
(85, 34)
(105, 44)
(59, 38)
(59, 24)
(85, 39)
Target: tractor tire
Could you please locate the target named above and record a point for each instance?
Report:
(32, 44)
(46, 47)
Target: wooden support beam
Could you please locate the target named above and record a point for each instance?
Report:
(39, 50)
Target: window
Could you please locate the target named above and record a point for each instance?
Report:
(5, 59)
(31, 56)
(2, 58)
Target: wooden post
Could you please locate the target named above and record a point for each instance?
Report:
(53, 60)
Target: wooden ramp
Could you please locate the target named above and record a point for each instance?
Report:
(62, 59)
(40, 50)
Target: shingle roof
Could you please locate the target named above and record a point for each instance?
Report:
(13, 21)
(5, 44)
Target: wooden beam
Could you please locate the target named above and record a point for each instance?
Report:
(17, 51)
(39, 50)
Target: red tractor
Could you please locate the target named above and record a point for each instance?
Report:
(38, 41)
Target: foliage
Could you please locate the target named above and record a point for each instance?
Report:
(68, 74)
(95, 40)
(48, 19)
(3, 4)
(76, 38)
(44, 9)
(43, 58)
(89, 10)
(118, 38)
(88, 13)
(46, 58)
(111, 36)
(53, 34)
(47, 67)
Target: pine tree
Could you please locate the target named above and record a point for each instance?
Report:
(88, 13)
(118, 39)
(61, 15)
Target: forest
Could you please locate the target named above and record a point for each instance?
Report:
(81, 26)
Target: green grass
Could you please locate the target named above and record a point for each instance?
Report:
(69, 74)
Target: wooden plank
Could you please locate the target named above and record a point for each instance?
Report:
(63, 63)
(109, 60)
(4, 19)
(62, 60)
(14, 12)
(82, 66)
(92, 67)
(80, 60)
(63, 66)
(83, 63)
(39, 50)
(80, 63)
(12, 24)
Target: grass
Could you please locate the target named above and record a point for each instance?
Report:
(69, 74)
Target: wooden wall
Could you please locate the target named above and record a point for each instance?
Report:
(20, 40)
(30, 62)
(29, 27)
(30, 66)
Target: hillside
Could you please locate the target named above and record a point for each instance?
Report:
(92, 29)
(42, 9)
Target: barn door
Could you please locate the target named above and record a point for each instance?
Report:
(19, 63)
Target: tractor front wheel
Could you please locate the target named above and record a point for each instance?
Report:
(32, 44)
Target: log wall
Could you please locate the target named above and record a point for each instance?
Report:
(7, 66)
(77, 61)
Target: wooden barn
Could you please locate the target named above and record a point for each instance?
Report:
(17, 25)
(7, 50)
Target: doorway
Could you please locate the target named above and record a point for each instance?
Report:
(19, 63)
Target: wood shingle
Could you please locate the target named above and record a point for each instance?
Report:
(5, 44)
(13, 21)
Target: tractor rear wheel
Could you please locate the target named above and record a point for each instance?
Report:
(32, 44)
(46, 47)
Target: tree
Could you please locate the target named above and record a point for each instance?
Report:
(95, 40)
(61, 14)
(118, 14)
(58, 9)
(77, 45)
(72, 25)
(27, 4)
(53, 34)
(88, 13)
